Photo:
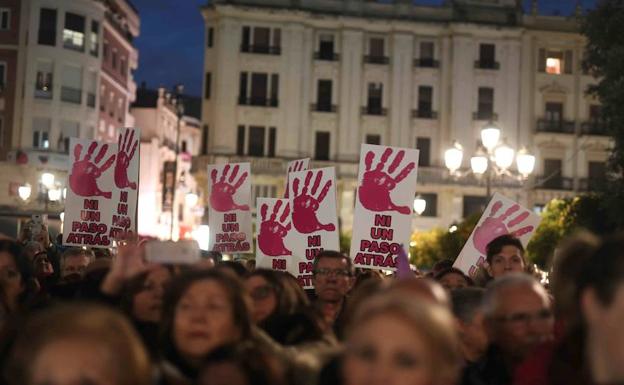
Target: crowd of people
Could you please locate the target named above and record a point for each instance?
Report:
(73, 316)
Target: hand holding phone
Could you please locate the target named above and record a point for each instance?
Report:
(169, 252)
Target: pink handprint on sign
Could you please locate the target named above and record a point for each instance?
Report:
(493, 227)
(374, 193)
(272, 231)
(123, 160)
(85, 173)
(306, 205)
(222, 194)
(293, 167)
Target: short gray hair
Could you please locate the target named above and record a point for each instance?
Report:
(493, 289)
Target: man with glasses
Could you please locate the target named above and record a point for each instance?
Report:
(518, 318)
(333, 279)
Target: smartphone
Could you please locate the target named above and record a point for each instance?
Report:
(169, 252)
(36, 226)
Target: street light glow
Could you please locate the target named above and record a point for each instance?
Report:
(24, 192)
(504, 156)
(479, 162)
(47, 179)
(54, 194)
(490, 135)
(453, 157)
(420, 204)
(525, 162)
(191, 199)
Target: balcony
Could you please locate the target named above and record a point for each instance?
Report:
(487, 64)
(555, 126)
(424, 114)
(91, 99)
(374, 110)
(326, 56)
(484, 115)
(374, 59)
(595, 127)
(43, 91)
(71, 95)
(324, 107)
(592, 184)
(554, 183)
(258, 102)
(426, 63)
(261, 49)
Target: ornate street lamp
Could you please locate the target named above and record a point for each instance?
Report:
(420, 204)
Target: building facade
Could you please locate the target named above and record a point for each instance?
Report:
(290, 79)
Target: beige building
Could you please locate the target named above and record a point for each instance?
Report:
(316, 78)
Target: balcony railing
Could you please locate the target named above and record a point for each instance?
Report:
(426, 63)
(597, 127)
(487, 64)
(261, 49)
(555, 126)
(324, 107)
(592, 184)
(424, 114)
(258, 102)
(90, 99)
(71, 95)
(43, 91)
(327, 56)
(374, 110)
(484, 115)
(554, 183)
(374, 59)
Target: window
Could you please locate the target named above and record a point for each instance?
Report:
(425, 98)
(272, 139)
(326, 47)
(71, 88)
(321, 149)
(184, 146)
(204, 145)
(74, 32)
(259, 88)
(41, 132)
(554, 112)
(122, 66)
(246, 38)
(240, 141)
(596, 172)
(555, 62)
(69, 129)
(485, 107)
(373, 139)
(431, 209)
(105, 50)
(261, 94)
(261, 40)
(376, 51)
(473, 205)
(424, 155)
(3, 70)
(487, 56)
(274, 90)
(324, 95)
(209, 37)
(95, 38)
(427, 55)
(552, 174)
(43, 83)
(5, 19)
(91, 87)
(114, 59)
(242, 89)
(277, 39)
(47, 27)
(255, 145)
(207, 85)
(375, 94)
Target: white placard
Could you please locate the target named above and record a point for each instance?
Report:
(295, 166)
(89, 204)
(229, 186)
(314, 218)
(126, 176)
(383, 209)
(501, 216)
(273, 226)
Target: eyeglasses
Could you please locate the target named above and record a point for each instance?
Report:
(261, 292)
(524, 318)
(329, 272)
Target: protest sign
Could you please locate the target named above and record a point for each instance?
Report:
(126, 192)
(229, 216)
(383, 208)
(295, 166)
(273, 225)
(501, 216)
(89, 203)
(314, 218)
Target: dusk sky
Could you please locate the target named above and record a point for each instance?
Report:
(171, 44)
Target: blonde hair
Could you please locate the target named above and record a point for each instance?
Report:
(433, 322)
(92, 324)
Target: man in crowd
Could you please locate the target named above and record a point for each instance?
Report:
(468, 312)
(333, 279)
(518, 317)
(505, 255)
(74, 262)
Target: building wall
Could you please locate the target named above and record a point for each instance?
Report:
(9, 40)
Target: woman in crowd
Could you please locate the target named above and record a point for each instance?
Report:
(18, 287)
(401, 341)
(77, 344)
(202, 311)
(453, 278)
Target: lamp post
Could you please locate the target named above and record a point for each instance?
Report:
(180, 113)
(420, 204)
(493, 158)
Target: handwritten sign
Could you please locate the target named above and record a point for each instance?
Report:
(295, 166)
(273, 225)
(229, 215)
(126, 175)
(89, 203)
(383, 209)
(501, 216)
(314, 218)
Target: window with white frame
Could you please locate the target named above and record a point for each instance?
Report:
(95, 38)
(74, 32)
(41, 132)
(69, 129)
(256, 141)
(71, 87)
(5, 19)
